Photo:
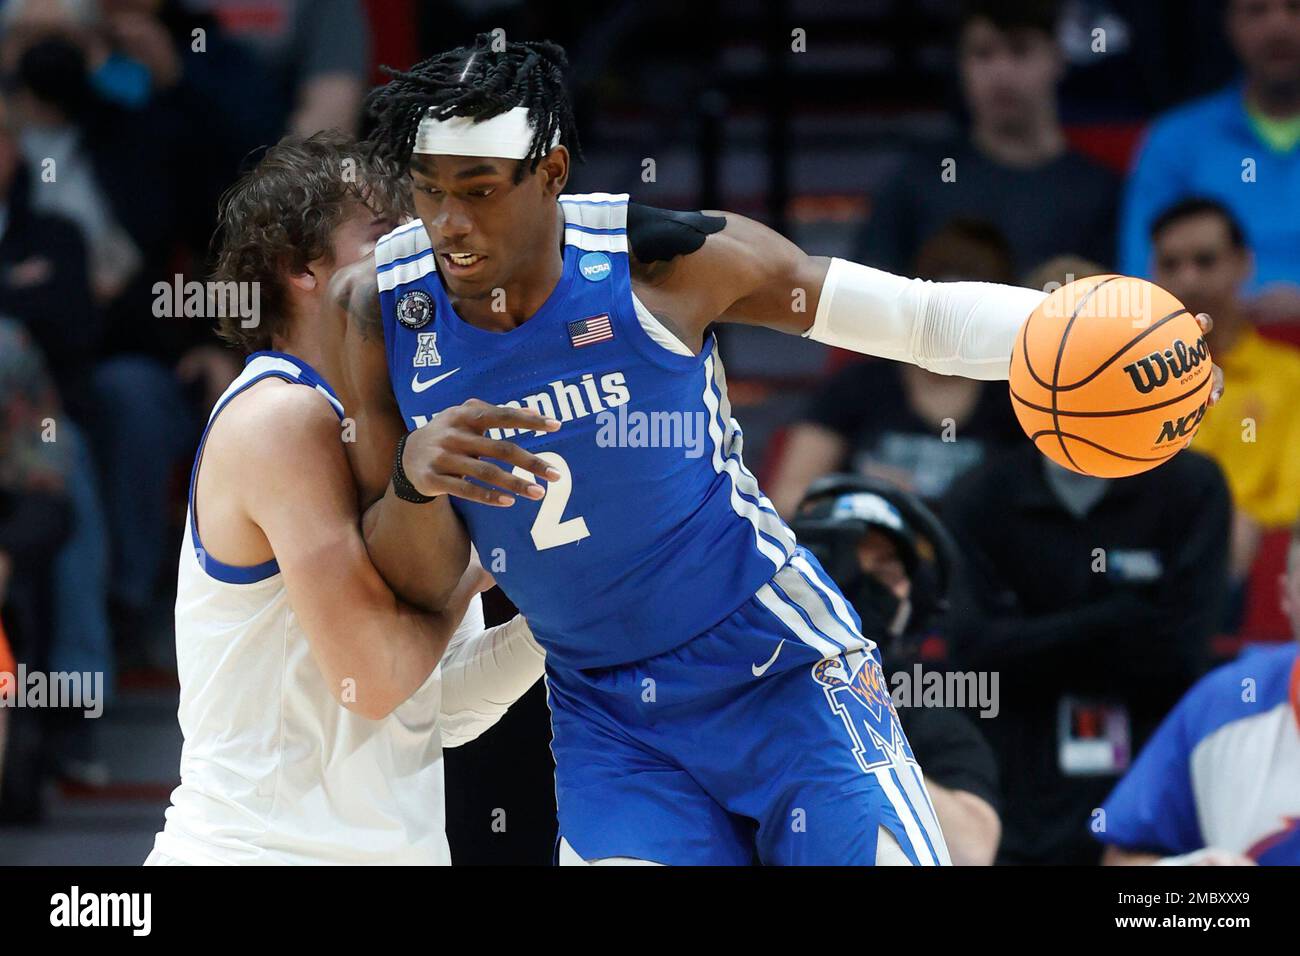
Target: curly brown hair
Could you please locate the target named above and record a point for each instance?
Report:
(281, 215)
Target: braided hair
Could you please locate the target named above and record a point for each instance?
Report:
(480, 82)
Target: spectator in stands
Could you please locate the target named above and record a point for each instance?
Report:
(212, 89)
(43, 281)
(35, 517)
(1094, 600)
(318, 55)
(111, 130)
(1201, 256)
(1014, 168)
(44, 277)
(890, 557)
(1219, 781)
(1240, 146)
(54, 61)
(1062, 270)
(897, 421)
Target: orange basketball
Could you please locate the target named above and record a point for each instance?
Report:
(1110, 376)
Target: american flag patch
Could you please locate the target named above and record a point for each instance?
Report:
(590, 331)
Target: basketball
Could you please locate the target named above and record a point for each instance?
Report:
(1110, 376)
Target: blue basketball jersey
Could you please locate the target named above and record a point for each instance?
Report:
(656, 531)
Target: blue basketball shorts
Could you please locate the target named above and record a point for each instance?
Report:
(770, 738)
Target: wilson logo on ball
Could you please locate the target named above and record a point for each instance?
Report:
(1172, 364)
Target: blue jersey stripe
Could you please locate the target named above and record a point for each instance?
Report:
(389, 266)
(593, 231)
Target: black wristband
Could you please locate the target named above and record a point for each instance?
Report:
(402, 486)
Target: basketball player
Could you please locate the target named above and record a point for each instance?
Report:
(313, 701)
(712, 695)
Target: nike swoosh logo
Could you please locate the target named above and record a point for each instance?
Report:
(760, 671)
(417, 386)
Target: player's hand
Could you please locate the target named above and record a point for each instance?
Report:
(1216, 390)
(439, 457)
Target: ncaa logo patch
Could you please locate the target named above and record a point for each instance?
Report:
(595, 266)
(415, 309)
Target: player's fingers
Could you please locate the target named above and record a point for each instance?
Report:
(480, 416)
(1216, 390)
(490, 474)
(460, 488)
(510, 452)
(1205, 322)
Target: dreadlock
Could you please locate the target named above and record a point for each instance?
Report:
(480, 82)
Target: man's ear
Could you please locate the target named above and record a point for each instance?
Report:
(554, 168)
(305, 281)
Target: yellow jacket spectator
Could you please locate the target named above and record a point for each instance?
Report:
(1254, 431)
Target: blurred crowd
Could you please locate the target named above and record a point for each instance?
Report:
(122, 121)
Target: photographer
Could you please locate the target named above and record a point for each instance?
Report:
(893, 560)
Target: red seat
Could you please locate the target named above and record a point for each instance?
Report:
(1285, 332)
(1263, 619)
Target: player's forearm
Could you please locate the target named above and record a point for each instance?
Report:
(953, 328)
(402, 645)
(483, 675)
(421, 550)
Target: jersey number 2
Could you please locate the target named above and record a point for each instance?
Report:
(549, 529)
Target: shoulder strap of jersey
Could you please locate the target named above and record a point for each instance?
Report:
(595, 222)
(404, 255)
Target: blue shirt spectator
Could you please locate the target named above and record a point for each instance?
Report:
(1240, 146)
(1211, 148)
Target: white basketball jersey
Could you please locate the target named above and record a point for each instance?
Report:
(273, 769)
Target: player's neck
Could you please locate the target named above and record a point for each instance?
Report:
(308, 342)
(1034, 143)
(517, 301)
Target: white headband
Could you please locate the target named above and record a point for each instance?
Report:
(505, 136)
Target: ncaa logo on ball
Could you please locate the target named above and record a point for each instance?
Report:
(415, 309)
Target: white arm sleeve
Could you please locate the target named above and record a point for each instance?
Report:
(483, 673)
(953, 328)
